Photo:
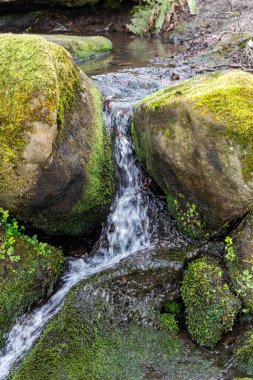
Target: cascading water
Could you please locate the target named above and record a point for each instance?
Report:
(127, 229)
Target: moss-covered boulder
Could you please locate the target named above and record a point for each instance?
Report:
(29, 270)
(110, 328)
(82, 48)
(56, 167)
(239, 258)
(196, 141)
(210, 306)
(243, 353)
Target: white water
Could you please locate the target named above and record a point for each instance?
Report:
(126, 232)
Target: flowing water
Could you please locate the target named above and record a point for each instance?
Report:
(127, 229)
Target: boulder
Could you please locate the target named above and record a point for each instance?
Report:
(239, 258)
(195, 139)
(210, 306)
(110, 328)
(56, 166)
(29, 270)
(82, 48)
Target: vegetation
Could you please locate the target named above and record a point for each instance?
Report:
(29, 270)
(154, 16)
(210, 306)
(189, 220)
(241, 276)
(20, 81)
(82, 48)
(244, 353)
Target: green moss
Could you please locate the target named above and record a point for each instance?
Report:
(210, 306)
(33, 73)
(27, 280)
(223, 98)
(189, 221)
(86, 340)
(100, 184)
(244, 353)
(82, 48)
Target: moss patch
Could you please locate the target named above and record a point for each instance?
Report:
(33, 73)
(210, 306)
(27, 280)
(244, 353)
(82, 48)
(225, 98)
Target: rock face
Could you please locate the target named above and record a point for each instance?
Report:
(82, 48)
(56, 168)
(195, 139)
(240, 262)
(210, 306)
(109, 327)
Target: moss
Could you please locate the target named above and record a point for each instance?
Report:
(27, 281)
(87, 340)
(244, 353)
(33, 73)
(210, 306)
(189, 221)
(82, 48)
(100, 184)
(224, 98)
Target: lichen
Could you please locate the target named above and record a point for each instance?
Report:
(210, 306)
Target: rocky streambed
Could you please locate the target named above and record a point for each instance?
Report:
(175, 249)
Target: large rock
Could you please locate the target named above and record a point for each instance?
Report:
(29, 270)
(210, 306)
(82, 48)
(239, 257)
(56, 168)
(109, 328)
(195, 139)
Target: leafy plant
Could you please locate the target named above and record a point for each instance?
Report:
(152, 15)
(230, 253)
(169, 321)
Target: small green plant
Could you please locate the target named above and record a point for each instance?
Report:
(9, 231)
(172, 307)
(169, 321)
(229, 248)
(187, 216)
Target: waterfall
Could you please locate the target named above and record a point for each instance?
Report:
(127, 228)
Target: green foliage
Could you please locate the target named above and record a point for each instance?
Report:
(244, 353)
(187, 216)
(150, 15)
(171, 307)
(28, 271)
(229, 247)
(210, 306)
(169, 322)
(242, 279)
